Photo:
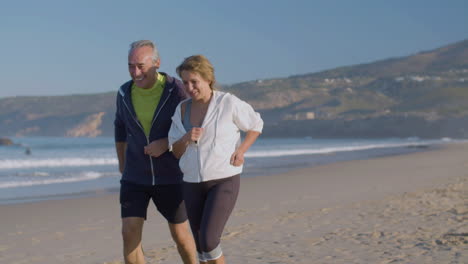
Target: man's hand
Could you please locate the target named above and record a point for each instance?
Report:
(121, 167)
(157, 147)
(121, 147)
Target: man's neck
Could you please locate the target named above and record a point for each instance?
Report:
(153, 83)
(156, 76)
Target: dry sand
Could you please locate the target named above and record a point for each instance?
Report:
(400, 209)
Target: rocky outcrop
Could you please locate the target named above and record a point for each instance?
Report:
(90, 127)
(5, 142)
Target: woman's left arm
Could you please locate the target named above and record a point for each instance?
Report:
(237, 158)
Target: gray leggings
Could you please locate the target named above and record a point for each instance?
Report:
(209, 205)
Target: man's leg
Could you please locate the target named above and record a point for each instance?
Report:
(134, 201)
(170, 203)
(132, 228)
(184, 240)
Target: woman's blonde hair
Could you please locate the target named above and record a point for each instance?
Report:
(201, 65)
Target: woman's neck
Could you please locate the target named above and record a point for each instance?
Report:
(204, 100)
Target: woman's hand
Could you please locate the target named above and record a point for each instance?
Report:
(179, 147)
(237, 158)
(194, 134)
(157, 147)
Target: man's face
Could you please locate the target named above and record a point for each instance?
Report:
(142, 68)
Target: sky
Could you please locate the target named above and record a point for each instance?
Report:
(74, 47)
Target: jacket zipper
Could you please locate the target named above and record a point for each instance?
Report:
(197, 144)
(147, 137)
(136, 121)
(199, 163)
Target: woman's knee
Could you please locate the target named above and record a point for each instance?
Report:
(211, 250)
(208, 243)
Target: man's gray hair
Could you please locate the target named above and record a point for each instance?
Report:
(145, 43)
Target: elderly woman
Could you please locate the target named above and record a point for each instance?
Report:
(205, 136)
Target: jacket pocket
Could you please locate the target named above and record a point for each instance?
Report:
(188, 164)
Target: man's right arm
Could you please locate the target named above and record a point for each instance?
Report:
(120, 135)
(121, 147)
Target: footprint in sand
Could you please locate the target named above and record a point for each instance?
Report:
(237, 231)
(59, 235)
(325, 210)
(240, 212)
(35, 241)
(231, 234)
(17, 233)
(89, 228)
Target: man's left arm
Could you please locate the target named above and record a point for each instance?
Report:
(157, 147)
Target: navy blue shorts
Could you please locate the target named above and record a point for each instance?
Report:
(168, 199)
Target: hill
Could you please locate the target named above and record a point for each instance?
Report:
(425, 94)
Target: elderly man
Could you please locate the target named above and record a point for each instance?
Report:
(145, 105)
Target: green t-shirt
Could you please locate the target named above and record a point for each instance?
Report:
(145, 102)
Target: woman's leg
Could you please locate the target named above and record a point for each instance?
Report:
(220, 202)
(194, 203)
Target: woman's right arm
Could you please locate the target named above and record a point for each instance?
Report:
(177, 144)
(179, 147)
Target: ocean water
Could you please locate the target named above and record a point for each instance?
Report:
(57, 168)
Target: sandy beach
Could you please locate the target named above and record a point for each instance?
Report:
(410, 208)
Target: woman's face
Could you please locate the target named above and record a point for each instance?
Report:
(197, 87)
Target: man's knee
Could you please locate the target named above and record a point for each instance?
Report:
(180, 232)
(132, 228)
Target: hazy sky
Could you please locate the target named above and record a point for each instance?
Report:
(69, 46)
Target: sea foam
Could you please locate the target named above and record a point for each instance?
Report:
(325, 150)
(62, 162)
(85, 176)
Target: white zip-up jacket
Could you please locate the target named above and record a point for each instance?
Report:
(209, 159)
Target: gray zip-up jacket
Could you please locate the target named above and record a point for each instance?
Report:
(139, 167)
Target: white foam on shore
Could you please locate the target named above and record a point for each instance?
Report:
(277, 152)
(293, 152)
(63, 162)
(34, 174)
(90, 175)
